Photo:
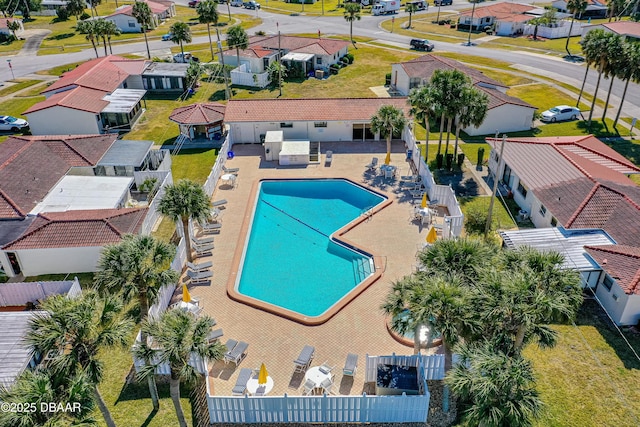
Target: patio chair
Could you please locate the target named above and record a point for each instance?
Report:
(202, 248)
(219, 203)
(304, 359)
(202, 240)
(199, 276)
(241, 383)
(238, 353)
(230, 170)
(410, 178)
(328, 158)
(350, 365)
(230, 344)
(215, 335)
(309, 386)
(327, 385)
(194, 309)
(215, 213)
(199, 266)
(325, 368)
(373, 165)
(418, 193)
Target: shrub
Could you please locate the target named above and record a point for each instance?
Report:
(460, 160)
(62, 13)
(475, 220)
(84, 16)
(480, 157)
(350, 57)
(387, 79)
(260, 33)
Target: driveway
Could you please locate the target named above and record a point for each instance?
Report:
(34, 40)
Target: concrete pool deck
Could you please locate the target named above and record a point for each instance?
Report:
(360, 326)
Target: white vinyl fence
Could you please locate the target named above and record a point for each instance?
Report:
(558, 30)
(153, 215)
(444, 194)
(216, 170)
(243, 77)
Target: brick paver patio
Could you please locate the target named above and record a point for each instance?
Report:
(359, 327)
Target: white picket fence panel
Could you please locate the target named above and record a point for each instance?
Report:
(244, 77)
(216, 170)
(153, 215)
(430, 367)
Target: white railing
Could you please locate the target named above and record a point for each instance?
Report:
(153, 215)
(216, 170)
(243, 77)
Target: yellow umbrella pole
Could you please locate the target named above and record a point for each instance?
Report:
(387, 159)
(432, 235)
(186, 296)
(262, 375)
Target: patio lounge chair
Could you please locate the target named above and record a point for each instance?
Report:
(209, 227)
(238, 353)
(350, 365)
(230, 170)
(202, 241)
(202, 247)
(230, 344)
(199, 276)
(328, 158)
(373, 165)
(418, 193)
(241, 383)
(215, 335)
(199, 266)
(219, 203)
(309, 386)
(304, 359)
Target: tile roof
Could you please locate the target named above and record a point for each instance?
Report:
(499, 10)
(264, 45)
(497, 98)
(198, 114)
(424, 66)
(31, 165)
(79, 228)
(620, 262)
(105, 74)
(128, 9)
(4, 22)
(79, 98)
(321, 109)
(627, 28)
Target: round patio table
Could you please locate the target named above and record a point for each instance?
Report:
(256, 389)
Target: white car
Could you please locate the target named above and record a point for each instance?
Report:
(12, 123)
(559, 113)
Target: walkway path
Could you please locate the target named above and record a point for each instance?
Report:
(34, 40)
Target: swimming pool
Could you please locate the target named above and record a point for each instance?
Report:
(290, 259)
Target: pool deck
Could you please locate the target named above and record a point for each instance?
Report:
(359, 327)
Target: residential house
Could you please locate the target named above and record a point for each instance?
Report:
(306, 53)
(595, 8)
(505, 113)
(324, 119)
(127, 23)
(4, 26)
(62, 198)
(102, 95)
(579, 183)
(506, 18)
(629, 30)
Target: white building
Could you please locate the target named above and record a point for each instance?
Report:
(4, 26)
(629, 30)
(127, 23)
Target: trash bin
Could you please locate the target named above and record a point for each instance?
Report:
(409, 154)
(230, 155)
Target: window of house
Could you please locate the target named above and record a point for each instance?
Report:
(320, 125)
(543, 210)
(318, 60)
(414, 82)
(265, 63)
(554, 221)
(607, 282)
(132, 24)
(506, 176)
(286, 125)
(522, 189)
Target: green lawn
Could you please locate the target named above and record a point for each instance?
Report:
(17, 106)
(500, 218)
(296, 7)
(544, 96)
(19, 85)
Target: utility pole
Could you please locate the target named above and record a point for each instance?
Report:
(279, 65)
(13, 76)
(473, 9)
(487, 226)
(227, 92)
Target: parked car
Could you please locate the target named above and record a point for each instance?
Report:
(167, 37)
(421, 44)
(251, 5)
(12, 123)
(442, 2)
(193, 3)
(188, 57)
(419, 4)
(559, 113)
(236, 3)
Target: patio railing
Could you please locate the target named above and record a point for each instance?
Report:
(216, 170)
(153, 215)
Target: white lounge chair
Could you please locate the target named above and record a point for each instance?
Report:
(237, 354)
(230, 170)
(215, 335)
(373, 165)
(350, 365)
(202, 240)
(304, 359)
(241, 383)
(199, 266)
(199, 276)
(328, 158)
(219, 203)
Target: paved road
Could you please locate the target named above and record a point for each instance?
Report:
(551, 66)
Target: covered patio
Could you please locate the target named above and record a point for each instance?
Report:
(200, 121)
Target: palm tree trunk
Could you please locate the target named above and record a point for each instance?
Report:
(416, 339)
(595, 96)
(606, 103)
(441, 129)
(410, 15)
(426, 141)
(229, 10)
(110, 49)
(95, 48)
(146, 42)
(455, 148)
(446, 148)
(182, 50)
(224, 71)
(448, 356)
(566, 46)
(210, 42)
(104, 43)
(237, 56)
(389, 144)
(624, 94)
(582, 88)
(108, 419)
(187, 237)
(151, 379)
(519, 340)
(174, 390)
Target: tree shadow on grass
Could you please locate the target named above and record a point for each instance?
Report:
(139, 390)
(597, 129)
(627, 148)
(61, 36)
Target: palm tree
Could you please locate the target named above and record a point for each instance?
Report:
(421, 101)
(208, 14)
(180, 33)
(237, 38)
(76, 7)
(547, 18)
(410, 8)
(629, 71)
(13, 26)
(183, 201)
(387, 121)
(89, 28)
(43, 386)
(110, 30)
(93, 5)
(467, 258)
(473, 112)
(575, 7)
(142, 13)
(180, 335)
(497, 390)
(598, 47)
(101, 31)
(352, 13)
(615, 52)
(76, 330)
(139, 266)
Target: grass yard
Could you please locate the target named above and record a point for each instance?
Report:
(470, 151)
(506, 78)
(16, 106)
(19, 84)
(296, 7)
(500, 218)
(589, 379)
(544, 96)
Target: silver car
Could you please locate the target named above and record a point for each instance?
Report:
(12, 123)
(559, 113)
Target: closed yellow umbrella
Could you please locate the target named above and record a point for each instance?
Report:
(432, 235)
(424, 200)
(262, 375)
(186, 296)
(387, 159)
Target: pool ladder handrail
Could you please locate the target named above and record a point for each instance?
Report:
(368, 212)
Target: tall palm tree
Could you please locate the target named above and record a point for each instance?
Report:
(237, 38)
(208, 14)
(575, 7)
(629, 71)
(42, 387)
(180, 335)
(410, 8)
(615, 52)
(139, 266)
(421, 101)
(497, 390)
(180, 33)
(387, 121)
(352, 13)
(101, 31)
(110, 30)
(76, 7)
(598, 45)
(89, 29)
(473, 112)
(77, 329)
(448, 86)
(467, 258)
(142, 13)
(183, 201)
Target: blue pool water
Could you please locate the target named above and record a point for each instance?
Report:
(290, 261)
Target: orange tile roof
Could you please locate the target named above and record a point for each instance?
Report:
(264, 45)
(424, 66)
(79, 98)
(198, 114)
(4, 22)
(627, 28)
(128, 10)
(322, 109)
(503, 9)
(79, 228)
(620, 262)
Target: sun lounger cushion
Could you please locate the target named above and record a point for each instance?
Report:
(199, 275)
(219, 203)
(241, 383)
(215, 334)
(200, 266)
(305, 357)
(237, 354)
(350, 365)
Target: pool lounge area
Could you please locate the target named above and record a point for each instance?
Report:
(359, 327)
